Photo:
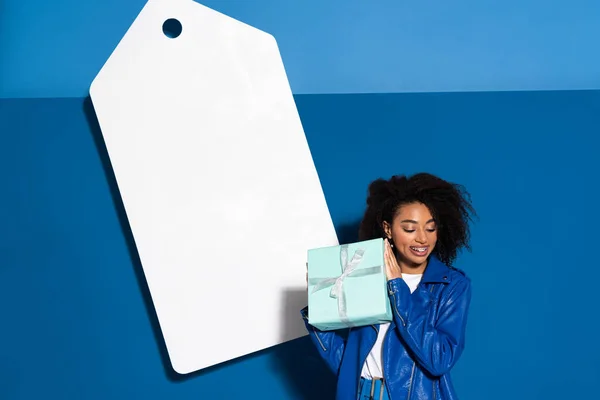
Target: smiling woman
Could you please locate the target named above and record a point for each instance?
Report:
(413, 233)
(417, 208)
(425, 222)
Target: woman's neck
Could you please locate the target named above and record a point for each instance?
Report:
(412, 268)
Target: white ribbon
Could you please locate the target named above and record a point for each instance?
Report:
(349, 270)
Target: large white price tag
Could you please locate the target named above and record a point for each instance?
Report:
(216, 177)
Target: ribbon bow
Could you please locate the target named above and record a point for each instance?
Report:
(349, 270)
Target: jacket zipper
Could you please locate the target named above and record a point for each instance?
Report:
(316, 335)
(396, 310)
(412, 374)
(319, 339)
(433, 384)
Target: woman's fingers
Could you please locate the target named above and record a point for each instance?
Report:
(391, 265)
(388, 266)
(307, 277)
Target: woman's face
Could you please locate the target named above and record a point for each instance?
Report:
(414, 233)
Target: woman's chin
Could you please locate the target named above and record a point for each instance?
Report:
(416, 261)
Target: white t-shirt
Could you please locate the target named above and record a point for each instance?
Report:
(373, 367)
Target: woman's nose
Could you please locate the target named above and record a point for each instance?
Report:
(421, 237)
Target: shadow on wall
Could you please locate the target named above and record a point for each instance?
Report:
(294, 299)
(94, 126)
(297, 361)
(348, 232)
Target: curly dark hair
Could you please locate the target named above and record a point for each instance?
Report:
(449, 204)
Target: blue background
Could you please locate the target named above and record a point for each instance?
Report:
(55, 48)
(76, 320)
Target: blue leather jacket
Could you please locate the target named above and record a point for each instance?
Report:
(424, 341)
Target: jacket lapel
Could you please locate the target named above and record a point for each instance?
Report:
(436, 271)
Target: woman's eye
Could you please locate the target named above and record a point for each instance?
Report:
(412, 230)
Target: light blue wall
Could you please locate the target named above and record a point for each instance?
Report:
(55, 48)
(75, 324)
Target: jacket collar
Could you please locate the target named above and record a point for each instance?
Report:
(436, 271)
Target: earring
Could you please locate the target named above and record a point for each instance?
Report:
(391, 243)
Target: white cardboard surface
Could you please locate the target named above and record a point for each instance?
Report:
(217, 180)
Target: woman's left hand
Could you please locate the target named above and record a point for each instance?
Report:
(392, 268)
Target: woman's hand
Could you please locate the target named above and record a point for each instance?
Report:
(392, 268)
(307, 277)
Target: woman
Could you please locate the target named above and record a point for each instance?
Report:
(425, 222)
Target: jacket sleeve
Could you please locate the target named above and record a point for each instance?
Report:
(437, 347)
(329, 344)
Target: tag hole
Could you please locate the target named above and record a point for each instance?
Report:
(172, 28)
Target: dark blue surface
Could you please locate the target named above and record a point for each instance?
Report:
(75, 323)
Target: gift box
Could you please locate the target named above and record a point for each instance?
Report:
(347, 286)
